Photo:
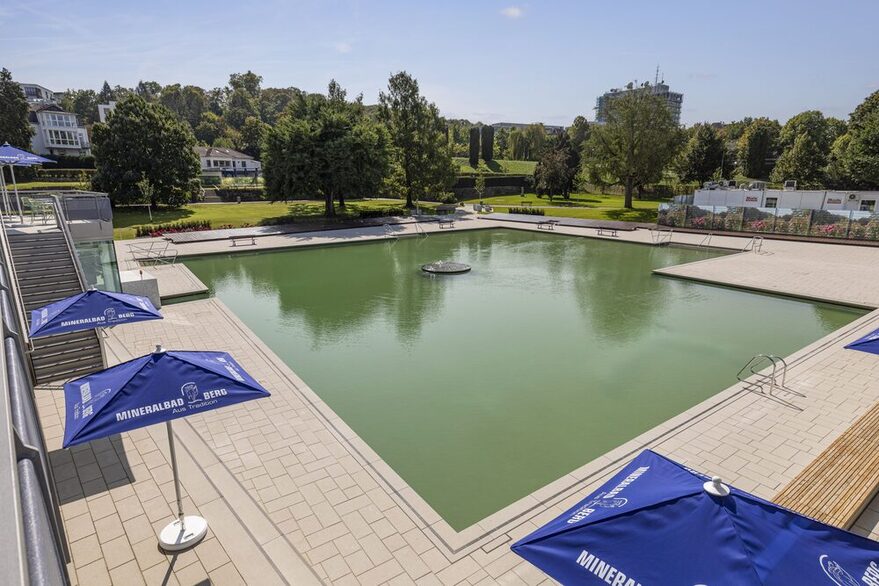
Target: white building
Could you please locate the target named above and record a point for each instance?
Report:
(226, 160)
(37, 94)
(864, 201)
(57, 132)
(104, 110)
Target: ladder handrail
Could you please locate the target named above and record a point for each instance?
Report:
(771, 378)
(754, 244)
(656, 235)
(706, 240)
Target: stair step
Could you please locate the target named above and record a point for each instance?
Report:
(61, 339)
(48, 284)
(76, 352)
(66, 372)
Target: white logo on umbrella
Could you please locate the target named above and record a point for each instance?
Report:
(110, 314)
(835, 572)
(190, 391)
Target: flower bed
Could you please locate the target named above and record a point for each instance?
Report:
(157, 230)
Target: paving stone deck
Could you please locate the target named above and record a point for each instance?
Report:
(294, 496)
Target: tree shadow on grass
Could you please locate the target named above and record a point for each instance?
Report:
(624, 215)
(128, 217)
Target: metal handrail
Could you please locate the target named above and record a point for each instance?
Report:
(389, 233)
(6, 253)
(772, 378)
(658, 238)
(419, 229)
(61, 223)
(148, 249)
(706, 240)
(755, 244)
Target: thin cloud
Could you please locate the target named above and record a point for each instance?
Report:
(343, 47)
(513, 12)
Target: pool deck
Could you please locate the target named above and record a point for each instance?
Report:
(294, 496)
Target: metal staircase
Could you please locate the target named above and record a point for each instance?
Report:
(46, 269)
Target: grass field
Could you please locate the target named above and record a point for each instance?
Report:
(49, 185)
(496, 167)
(126, 220)
(590, 206)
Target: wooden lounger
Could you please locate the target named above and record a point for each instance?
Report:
(837, 486)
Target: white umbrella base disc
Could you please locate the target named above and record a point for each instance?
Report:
(174, 538)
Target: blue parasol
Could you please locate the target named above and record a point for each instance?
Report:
(157, 388)
(657, 522)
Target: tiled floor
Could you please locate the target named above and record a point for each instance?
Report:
(293, 495)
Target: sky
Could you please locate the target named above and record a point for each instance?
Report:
(483, 60)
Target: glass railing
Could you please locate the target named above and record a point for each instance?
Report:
(848, 224)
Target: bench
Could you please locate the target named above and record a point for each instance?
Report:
(236, 239)
(446, 223)
(607, 232)
(547, 224)
(837, 486)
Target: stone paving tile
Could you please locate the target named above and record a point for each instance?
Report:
(308, 473)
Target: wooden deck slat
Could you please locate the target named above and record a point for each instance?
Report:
(837, 485)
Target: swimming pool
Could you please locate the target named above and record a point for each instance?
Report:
(479, 388)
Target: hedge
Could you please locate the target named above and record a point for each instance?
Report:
(245, 193)
(155, 230)
(527, 211)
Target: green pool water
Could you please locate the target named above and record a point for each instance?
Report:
(480, 388)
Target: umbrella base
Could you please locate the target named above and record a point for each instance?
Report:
(175, 537)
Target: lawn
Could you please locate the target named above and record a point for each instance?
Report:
(496, 167)
(590, 206)
(126, 220)
(49, 185)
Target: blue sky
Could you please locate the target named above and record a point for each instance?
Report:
(484, 59)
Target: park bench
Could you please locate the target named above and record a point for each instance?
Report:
(547, 224)
(603, 231)
(837, 486)
(446, 223)
(243, 240)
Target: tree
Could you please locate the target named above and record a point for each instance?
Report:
(239, 107)
(188, 102)
(487, 140)
(106, 95)
(273, 101)
(14, 127)
(421, 151)
(702, 156)
(552, 172)
(474, 146)
(578, 132)
(145, 142)
(148, 90)
(479, 186)
(535, 136)
(83, 103)
(635, 144)
(758, 147)
(804, 162)
(519, 149)
(325, 146)
(854, 158)
(210, 128)
(502, 143)
(249, 82)
(252, 134)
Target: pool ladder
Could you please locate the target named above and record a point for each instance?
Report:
(661, 237)
(754, 378)
(755, 244)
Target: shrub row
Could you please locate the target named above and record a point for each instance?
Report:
(245, 193)
(527, 211)
(43, 174)
(155, 230)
